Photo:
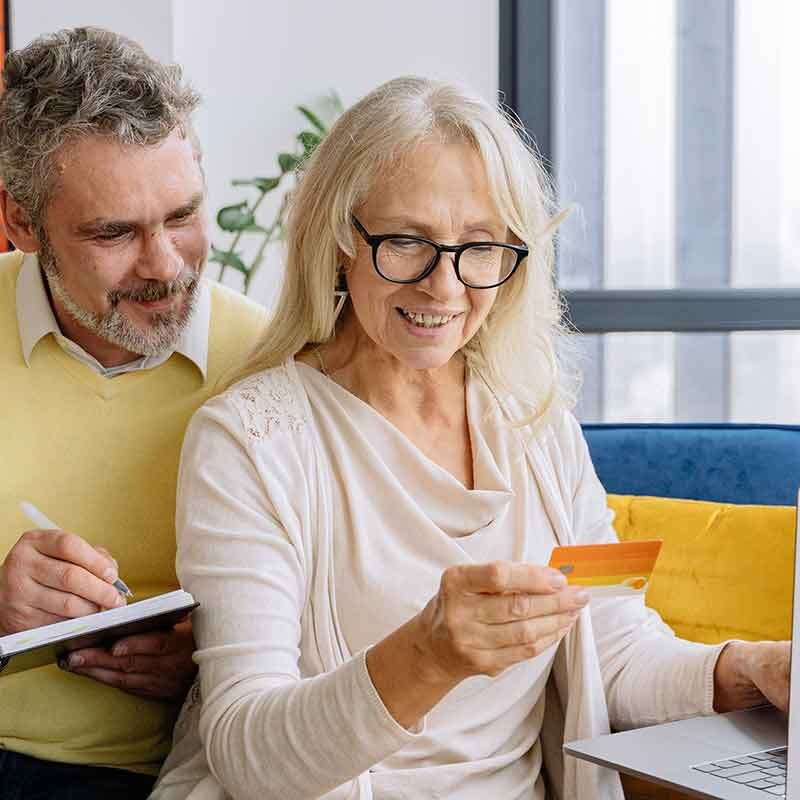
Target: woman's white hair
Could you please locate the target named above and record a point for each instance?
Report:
(516, 348)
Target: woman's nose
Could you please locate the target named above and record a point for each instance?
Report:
(443, 281)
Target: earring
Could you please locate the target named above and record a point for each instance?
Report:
(340, 292)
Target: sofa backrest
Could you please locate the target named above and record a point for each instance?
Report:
(753, 464)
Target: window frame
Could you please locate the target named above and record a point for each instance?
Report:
(528, 72)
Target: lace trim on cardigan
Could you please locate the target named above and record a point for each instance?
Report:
(268, 403)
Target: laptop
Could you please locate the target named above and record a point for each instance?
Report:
(743, 755)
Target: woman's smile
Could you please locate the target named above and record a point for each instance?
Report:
(427, 323)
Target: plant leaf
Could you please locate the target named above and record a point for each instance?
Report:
(312, 118)
(256, 228)
(288, 162)
(309, 141)
(337, 106)
(228, 259)
(235, 218)
(262, 184)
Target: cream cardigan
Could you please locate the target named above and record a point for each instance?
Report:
(302, 719)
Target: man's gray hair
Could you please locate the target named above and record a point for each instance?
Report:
(77, 83)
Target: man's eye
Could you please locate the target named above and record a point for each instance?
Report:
(184, 217)
(110, 236)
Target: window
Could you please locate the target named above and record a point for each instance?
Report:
(672, 128)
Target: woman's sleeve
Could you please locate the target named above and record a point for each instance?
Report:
(267, 732)
(649, 674)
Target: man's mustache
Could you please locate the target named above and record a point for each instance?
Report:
(155, 290)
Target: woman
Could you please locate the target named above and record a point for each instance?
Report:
(365, 517)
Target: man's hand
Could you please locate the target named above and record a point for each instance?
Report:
(52, 575)
(750, 674)
(156, 666)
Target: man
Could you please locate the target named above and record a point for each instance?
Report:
(109, 340)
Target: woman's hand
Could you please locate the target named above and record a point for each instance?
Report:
(487, 617)
(750, 674)
(483, 619)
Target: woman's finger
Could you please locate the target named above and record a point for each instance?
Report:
(503, 576)
(523, 632)
(501, 660)
(498, 609)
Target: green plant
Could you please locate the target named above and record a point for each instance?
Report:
(239, 219)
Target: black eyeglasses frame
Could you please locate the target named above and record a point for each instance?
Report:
(374, 241)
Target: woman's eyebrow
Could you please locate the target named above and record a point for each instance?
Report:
(400, 221)
(411, 222)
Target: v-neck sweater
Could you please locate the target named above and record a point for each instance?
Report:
(100, 457)
(315, 530)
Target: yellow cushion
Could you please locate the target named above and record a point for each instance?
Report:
(724, 572)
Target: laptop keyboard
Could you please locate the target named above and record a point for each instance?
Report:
(765, 771)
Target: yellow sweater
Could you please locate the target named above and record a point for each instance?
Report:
(100, 456)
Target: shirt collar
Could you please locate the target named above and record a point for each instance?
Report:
(35, 317)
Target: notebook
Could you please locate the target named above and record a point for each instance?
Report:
(46, 644)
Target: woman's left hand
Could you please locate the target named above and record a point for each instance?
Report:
(750, 674)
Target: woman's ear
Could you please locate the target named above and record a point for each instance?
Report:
(17, 223)
(345, 261)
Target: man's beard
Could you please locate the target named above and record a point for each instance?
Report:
(113, 326)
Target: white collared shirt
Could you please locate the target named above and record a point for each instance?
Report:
(36, 320)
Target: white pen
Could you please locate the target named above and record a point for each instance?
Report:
(40, 520)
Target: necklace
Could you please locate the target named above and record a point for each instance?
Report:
(318, 354)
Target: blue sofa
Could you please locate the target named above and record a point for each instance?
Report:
(749, 464)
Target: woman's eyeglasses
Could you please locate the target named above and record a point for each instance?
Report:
(408, 259)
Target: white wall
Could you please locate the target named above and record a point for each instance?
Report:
(149, 22)
(254, 61)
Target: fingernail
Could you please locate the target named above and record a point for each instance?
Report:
(106, 553)
(75, 661)
(110, 575)
(557, 580)
(120, 601)
(582, 597)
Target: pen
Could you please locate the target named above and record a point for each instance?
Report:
(39, 519)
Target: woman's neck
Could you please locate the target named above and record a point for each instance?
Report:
(378, 378)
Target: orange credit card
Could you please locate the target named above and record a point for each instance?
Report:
(619, 569)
